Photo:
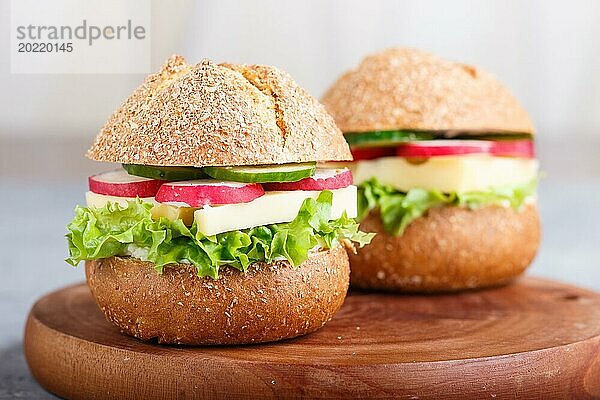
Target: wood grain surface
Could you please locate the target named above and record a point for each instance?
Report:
(533, 339)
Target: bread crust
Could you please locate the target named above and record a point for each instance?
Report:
(269, 302)
(448, 249)
(209, 114)
(403, 88)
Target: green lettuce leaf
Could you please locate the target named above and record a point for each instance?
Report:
(114, 230)
(398, 209)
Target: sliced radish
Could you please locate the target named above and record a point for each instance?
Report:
(514, 148)
(201, 192)
(119, 183)
(370, 153)
(432, 148)
(323, 179)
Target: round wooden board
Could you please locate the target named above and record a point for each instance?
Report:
(533, 339)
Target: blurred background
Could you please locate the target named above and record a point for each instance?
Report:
(546, 51)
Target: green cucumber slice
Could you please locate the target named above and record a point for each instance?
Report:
(385, 138)
(494, 136)
(165, 173)
(262, 173)
(391, 138)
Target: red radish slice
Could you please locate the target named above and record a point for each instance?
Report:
(202, 192)
(369, 153)
(432, 148)
(323, 179)
(119, 183)
(514, 148)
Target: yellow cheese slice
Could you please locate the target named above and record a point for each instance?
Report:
(447, 173)
(173, 212)
(271, 208)
(99, 200)
(159, 210)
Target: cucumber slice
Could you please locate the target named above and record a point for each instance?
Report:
(165, 173)
(263, 173)
(386, 138)
(495, 136)
(391, 138)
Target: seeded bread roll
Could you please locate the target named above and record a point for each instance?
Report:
(449, 249)
(211, 115)
(413, 90)
(269, 302)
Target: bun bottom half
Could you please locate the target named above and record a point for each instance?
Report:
(448, 249)
(267, 303)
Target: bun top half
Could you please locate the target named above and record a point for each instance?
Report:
(219, 114)
(409, 89)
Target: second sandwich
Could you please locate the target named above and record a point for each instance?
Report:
(446, 170)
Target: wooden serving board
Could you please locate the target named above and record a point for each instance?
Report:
(533, 339)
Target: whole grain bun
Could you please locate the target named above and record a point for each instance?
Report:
(210, 114)
(269, 302)
(410, 89)
(450, 248)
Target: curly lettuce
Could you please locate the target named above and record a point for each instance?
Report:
(114, 230)
(399, 209)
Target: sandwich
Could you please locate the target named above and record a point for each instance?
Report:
(218, 227)
(446, 170)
